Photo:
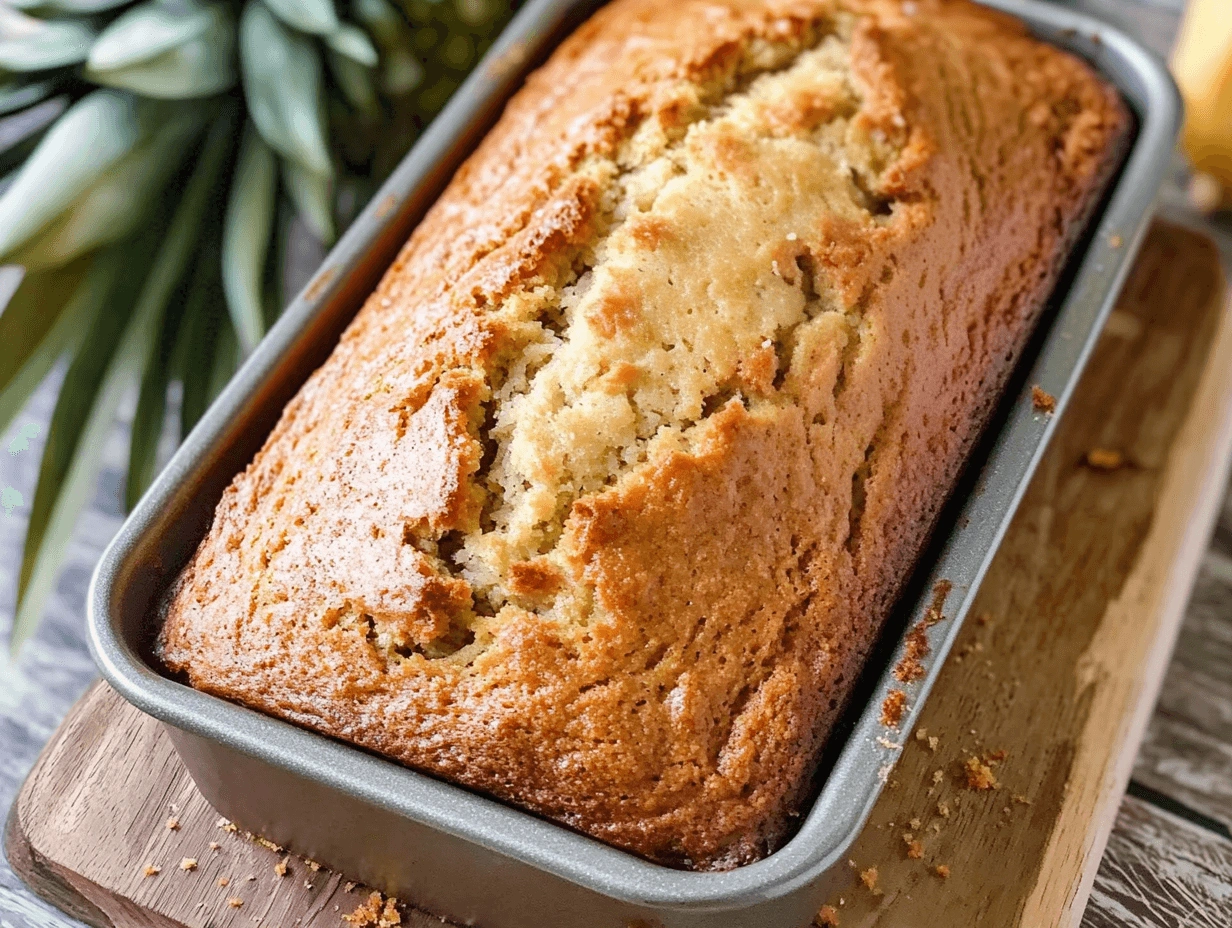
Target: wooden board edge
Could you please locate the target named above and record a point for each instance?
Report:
(38, 873)
(1192, 487)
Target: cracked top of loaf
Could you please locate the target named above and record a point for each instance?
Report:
(602, 498)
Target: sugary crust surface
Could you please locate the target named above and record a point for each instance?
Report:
(603, 496)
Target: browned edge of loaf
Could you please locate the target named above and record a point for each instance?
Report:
(662, 669)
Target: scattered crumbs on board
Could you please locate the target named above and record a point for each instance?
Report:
(869, 879)
(173, 824)
(235, 902)
(376, 911)
(151, 870)
(280, 868)
(915, 850)
(188, 864)
(942, 871)
(828, 917)
(1104, 459)
(978, 775)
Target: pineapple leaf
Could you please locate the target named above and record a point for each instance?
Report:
(246, 236)
(168, 50)
(313, 196)
(19, 150)
(226, 362)
(282, 84)
(353, 42)
(16, 96)
(118, 201)
(198, 336)
(314, 16)
(80, 424)
(355, 82)
(30, 44)
(169, 268)
(44, 318)
(93, 139)
(71, 7)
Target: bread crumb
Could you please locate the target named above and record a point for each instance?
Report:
(943, 810)
(942, 871)
(312, 865)
(223, 881)
(280, 868)
(235, 902)
(307, 885)
(1115, 241)
(983, 618)
(828, 916)
(227, 825)
(1021, 799)
(938, 775)
(995, 757)
(350, 885)
(1042, 400)
(1104, 459)
(978, 775)
(375, 910)
(933, 743)
(214, 845)
(921, 734)
(173, 824)
(151, 870)
(915, 850)
(188, 863)
(915, 824)
(892, 708)
(869, 879)
(267, 843)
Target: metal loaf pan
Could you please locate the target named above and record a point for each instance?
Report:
(469, 857)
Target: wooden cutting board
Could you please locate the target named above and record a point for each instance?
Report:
(1043, 700)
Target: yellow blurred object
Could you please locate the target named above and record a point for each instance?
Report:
(1202, 65)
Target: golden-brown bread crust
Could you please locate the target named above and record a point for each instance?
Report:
(653, 648)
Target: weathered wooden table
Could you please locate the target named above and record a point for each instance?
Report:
(1169, 860)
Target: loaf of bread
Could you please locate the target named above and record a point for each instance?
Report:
(601, 500)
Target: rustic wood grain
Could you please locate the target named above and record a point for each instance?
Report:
(78, 834)
(1160, 871)
(1187, 753)
(1081, 606)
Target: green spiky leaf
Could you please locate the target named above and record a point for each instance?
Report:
(313, 196)
(282, 84)
(43, 319)
(355, 82)
(30, 44)
(169, 49)
(169, 269)
(83, 418)
(16, 96)
(246, 236)
(354, 43)
(314, 16)
(92, 177)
